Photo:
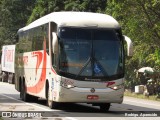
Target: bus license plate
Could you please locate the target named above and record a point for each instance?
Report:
(92, 97)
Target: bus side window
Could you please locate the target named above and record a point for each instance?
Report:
(45, 36)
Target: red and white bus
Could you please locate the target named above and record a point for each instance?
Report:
(72, 57)
(8, 63)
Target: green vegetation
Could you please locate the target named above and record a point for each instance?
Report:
(140, 20)
(152, 97)
(13, 15)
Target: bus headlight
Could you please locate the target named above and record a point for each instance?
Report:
(67, 83)
(70, 86)
(67, 86)
(117, 87)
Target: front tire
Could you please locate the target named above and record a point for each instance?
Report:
(50, 103)
(105, 107)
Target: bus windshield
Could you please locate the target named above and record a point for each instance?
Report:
(87, 54)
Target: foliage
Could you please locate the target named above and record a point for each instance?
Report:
(86, 5)
(14, 14)
(140, 20)
(45, 7)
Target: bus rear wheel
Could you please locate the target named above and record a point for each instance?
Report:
(25, 97)
(105, 107)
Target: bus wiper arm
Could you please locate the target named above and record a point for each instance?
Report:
(84, 66)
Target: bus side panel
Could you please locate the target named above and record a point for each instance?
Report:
(37, 70)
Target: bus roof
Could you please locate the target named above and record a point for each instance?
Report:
(75, 19)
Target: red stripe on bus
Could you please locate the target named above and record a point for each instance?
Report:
(41, 82)
(39, 56)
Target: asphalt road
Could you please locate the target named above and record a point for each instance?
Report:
(10, 101)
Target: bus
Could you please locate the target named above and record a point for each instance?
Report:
(7, 63)
(72, 57)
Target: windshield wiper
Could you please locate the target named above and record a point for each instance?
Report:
(84, 66)
(93, 60)
(87, 62)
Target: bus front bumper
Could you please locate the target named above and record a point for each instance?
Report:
(84, 95)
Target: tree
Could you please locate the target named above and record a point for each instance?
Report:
(14, 14)
(86, 5)
(140, 20)
(45, 7)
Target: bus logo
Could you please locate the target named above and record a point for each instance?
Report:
(92, 90)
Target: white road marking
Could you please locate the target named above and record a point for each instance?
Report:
(70, 118)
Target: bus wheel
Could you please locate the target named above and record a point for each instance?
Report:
(104, 107)
(33, 98)
(25, 97)
(50, 103)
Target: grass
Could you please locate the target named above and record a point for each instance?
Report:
(151, 97)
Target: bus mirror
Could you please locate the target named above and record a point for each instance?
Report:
(129, 46)
(54, 42)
